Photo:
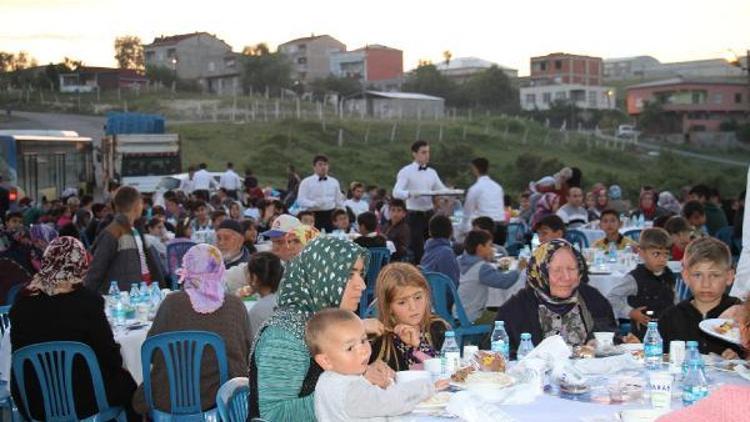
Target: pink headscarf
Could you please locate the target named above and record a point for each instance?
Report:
(202, 277)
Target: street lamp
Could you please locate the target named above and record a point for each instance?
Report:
(174, 70)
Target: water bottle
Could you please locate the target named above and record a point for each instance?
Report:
(144, 288)
(641, 221)
(500, 339)
(535, 242)
(694, 385)
(135, 295)
(612, 252)
(653, 347)
(458, 212)
(119, 312)
(692, 354)
(450, 354)
(525, 347)
(113, 296)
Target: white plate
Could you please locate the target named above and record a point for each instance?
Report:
(495, 379)
(708, 326)
(438, 401)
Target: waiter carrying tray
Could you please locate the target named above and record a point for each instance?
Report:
(414, 183)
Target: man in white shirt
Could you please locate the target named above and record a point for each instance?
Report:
(485, 198)
(203, 182)
(573, 214)
(187, 184)
(321, 194)
(412, 182)
(356, 203)
(230, 181)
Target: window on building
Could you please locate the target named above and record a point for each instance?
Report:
(698, 97)
(531, 99)
(302, 47)
(558, 64)
(547, 97)
(560, 95)
(149, 56)
(542, 66)
(301, 60)
(211, 67)
(592, 99)
(738, 98)
(172, 52)
(718, 97)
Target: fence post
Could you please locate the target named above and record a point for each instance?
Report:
(440, 133)
(341, 137)
(393, 131)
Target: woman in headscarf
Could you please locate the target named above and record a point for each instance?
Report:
(601, 204)
(547, 204)
(616, 202)
(327, 274)
(648, 208)
(202, 305)
(56, 307)
(556, 301)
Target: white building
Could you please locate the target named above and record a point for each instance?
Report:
(592, 97)
(390, 105)
(461, 69)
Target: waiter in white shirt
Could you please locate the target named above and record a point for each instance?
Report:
(203, 182)
(412, 180)
(485, 198)
(321, 194)
(230, 181)
(187, 184)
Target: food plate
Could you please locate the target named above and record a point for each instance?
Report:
(438, 401)
(716, 327)
(494, 379)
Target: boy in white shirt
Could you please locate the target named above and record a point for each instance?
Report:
(338, 343)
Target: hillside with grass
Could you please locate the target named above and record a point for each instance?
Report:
(372, 152)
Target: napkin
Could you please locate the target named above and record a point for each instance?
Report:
(608, 365)
(471, 408)
(550, 350)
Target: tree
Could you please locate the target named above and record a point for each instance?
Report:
(332, 84)
(491, 89)
(447, 55)
(10, 62)
(260, 49)
(6, 61)
(265, 70)
(426, 79)
(129, 52)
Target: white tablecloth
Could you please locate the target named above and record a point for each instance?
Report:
(131, 342)
(592, 235)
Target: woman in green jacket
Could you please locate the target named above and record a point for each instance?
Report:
(327, 274)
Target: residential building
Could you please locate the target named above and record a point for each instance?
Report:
(628, 67)
(374, 65)
(461, 69)
(310, 56)
(200, 57)
(395, 105)
(568, 78)
(695, 104)
(91, 79)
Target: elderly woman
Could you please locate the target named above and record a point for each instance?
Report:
(56, 307)
(555, 301)
(648, 208)
(327, 274)
(202, 305)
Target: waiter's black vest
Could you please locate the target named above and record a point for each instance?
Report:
(655, 293)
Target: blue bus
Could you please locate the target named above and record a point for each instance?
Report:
(44, 163)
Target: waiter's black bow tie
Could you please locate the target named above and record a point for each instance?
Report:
(322, 178)
(421, 168)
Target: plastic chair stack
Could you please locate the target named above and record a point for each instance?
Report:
(440, 287)
(231, 400)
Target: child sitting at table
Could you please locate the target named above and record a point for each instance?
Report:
(338, 343)
(340, 220)
(367, 223)
(307, 218)
(681, 232)
(707, 270)
(609, 223)
(650, 286)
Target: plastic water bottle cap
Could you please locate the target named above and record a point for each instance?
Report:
(525, 336)
(449, 334)
(499, 324)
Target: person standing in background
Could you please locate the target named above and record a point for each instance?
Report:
(321, 194)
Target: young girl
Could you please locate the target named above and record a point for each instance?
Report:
(263, 274)
(412, 332)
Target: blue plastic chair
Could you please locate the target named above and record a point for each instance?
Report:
(53, 365)
(633, 234)
(681, 290)
(4, 319)
(175, 252)
(6, 401)
(440, 287)
(10, 297)
(516, 234)
(182, 352)
(379, 258)
(577, 238)
(231, 400)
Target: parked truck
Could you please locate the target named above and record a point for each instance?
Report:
(136, 152)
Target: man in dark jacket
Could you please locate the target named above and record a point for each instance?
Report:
(120, 253)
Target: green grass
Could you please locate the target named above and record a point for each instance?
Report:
(267, 147)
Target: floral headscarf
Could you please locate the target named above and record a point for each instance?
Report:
(305, 233)
(313, 281)
(201, 275)
(538, 271)
(64, 262)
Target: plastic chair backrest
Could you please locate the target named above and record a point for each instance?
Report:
(440, 287)
(53, 365)
(633, 234)
(576, 237)
(516, 234)
(231, 400)
(183, 353)
(4, 319)
(682, 291)
(10, 298)
(175, 251)
(379, 258)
